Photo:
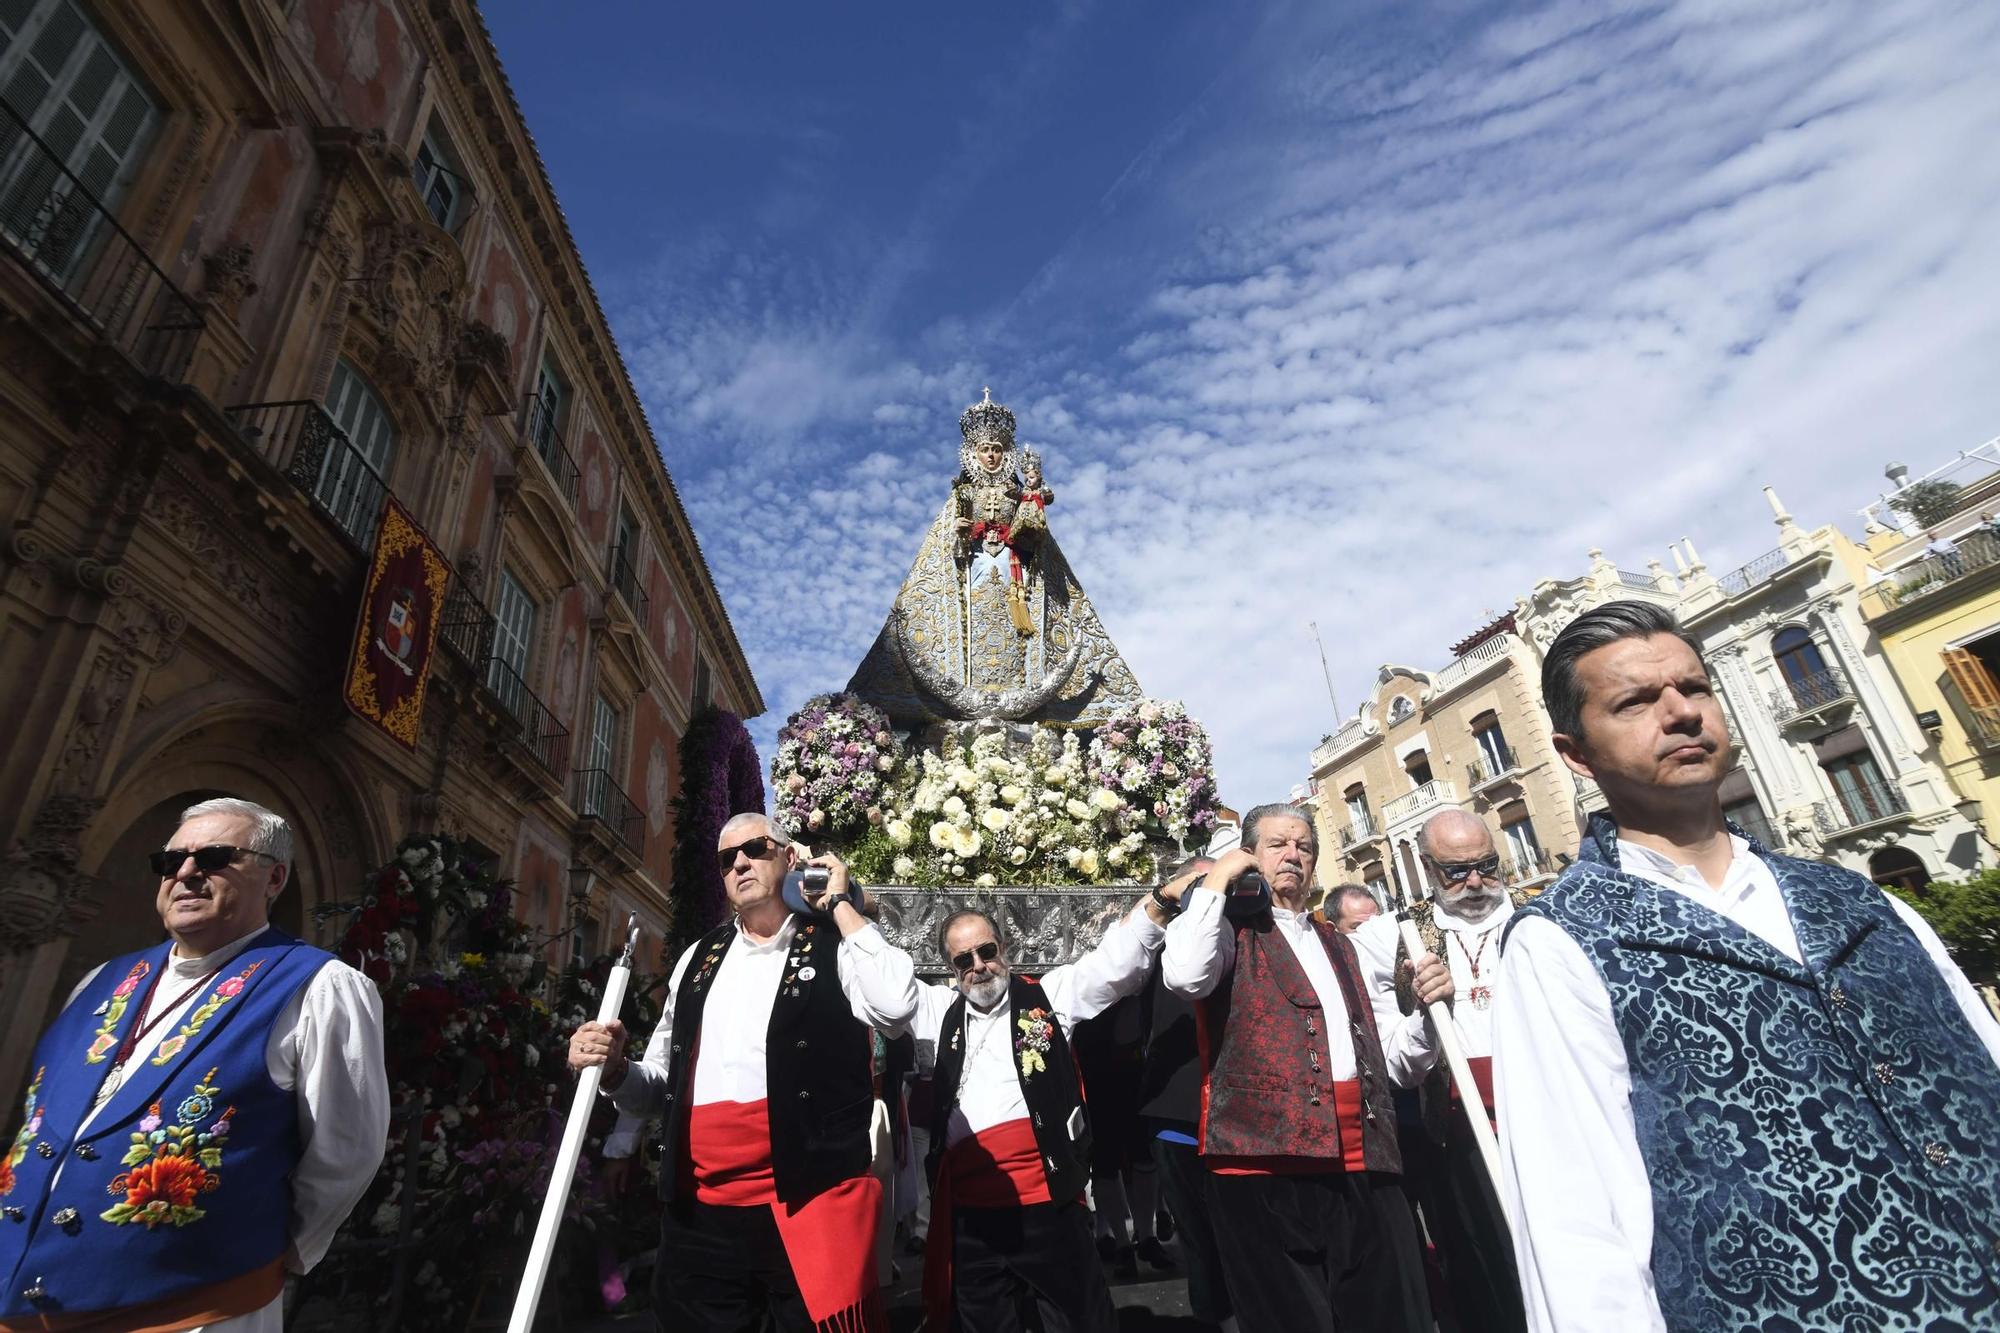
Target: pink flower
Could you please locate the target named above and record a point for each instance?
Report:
(152, 1120)
(230, 988)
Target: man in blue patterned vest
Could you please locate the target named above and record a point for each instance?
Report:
(1736, 1090)
(202, 1114)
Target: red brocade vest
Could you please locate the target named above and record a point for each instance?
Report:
(1267, 1095)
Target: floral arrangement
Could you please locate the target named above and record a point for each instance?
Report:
(172, 1165)
(1031, 1044)
(1157, 759)
(720, 776)
(835, 757)
(474, 1053)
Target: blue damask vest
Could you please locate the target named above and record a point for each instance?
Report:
(183, 1180)
(1823, 1140)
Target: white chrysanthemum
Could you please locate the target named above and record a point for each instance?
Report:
(904, 867)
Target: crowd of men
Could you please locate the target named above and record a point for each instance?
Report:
(1732, 1089)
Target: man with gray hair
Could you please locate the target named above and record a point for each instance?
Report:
(1349, 907)
(203, 1113)
(1298, 1129)
(1460, 926)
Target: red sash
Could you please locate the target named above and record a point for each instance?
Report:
(999, 1167)
(1347, 1107)
(1482, 1075)
(829, 1239)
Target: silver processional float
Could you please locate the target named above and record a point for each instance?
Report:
(563, 1173)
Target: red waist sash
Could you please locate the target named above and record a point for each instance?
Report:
(999, 1167)
(1347, 1109)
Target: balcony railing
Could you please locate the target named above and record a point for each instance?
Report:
(1757, 826)
(1497, 765)
(1475, 660)
(466, 626)
(1985, 725)
(1358, 832)
(599, 798)
(1931, 575)
(302, 441)
(1742, 579)
(545, 435)
(1530, 867)
(56, 226)
(1858, 806)
(1329, 746)
(1436, 792)
(543, 736)
(625, 582)
(1810, 694)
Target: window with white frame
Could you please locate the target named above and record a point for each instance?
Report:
(594, 794)
(1494, 756)
(1524, 849)
(354, 474)
(439, 179)
(513, 633)
(93, 117)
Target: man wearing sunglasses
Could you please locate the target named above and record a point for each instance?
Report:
(203, 1113)
(1461, 925)
(762, 1068)
(1010, 1143)
(1298, 1129)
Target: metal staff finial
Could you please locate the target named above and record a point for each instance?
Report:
(631, 939)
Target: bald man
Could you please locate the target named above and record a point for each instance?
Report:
(1462, 925)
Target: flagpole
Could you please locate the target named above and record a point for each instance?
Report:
(563, 1173)
(1454, 1054)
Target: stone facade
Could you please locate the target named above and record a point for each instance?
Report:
(297, 258)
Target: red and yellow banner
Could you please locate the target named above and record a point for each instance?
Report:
(400, 610)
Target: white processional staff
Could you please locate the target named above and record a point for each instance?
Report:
(530, 1295)
(1454, 1054)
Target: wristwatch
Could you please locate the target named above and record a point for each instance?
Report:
(1167, 905)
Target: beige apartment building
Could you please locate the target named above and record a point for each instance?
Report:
(1471, 735)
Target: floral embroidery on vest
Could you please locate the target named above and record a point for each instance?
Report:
(114, 1009)
(221, 995)
(172, 1165)
(1033, 1042)
(31, 1125)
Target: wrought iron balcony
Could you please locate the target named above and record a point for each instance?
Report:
(625, 582)
(545, 435)
(1526, 869)
(466, 627)
(1985, 725)
(1359, 832)
(1931, 575)
(1811, 696)
(1436, 792)
(601, 799)
(1492, 768)
(1740, 580)
(541, 735)
(302, 441)
(56, 227)
(1859, 806)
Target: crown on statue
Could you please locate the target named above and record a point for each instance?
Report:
(987, 420)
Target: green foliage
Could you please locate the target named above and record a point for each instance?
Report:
(1927, 502)
(1966, 915)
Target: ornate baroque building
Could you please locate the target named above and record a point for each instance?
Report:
(266, 265)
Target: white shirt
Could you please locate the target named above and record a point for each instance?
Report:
(326, 1047)
(876, 977)
(1578, 1199)
(989, 1088)
(1201, 951)
(1472, 951)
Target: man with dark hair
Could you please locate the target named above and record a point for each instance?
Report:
(1350, 906)
(1298, 1126)
(1736, 1090)
(1461, 925)
(762, 1067)
(1010, 1142)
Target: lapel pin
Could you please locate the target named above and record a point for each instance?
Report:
(807, 974)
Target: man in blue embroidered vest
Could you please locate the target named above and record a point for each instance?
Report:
(1736, 1090)
(202, 1114)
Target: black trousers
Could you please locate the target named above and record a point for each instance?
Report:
(724, 1270)
(1184, 1181)
(1004, 1259)
(1470, 1230)
(1324, 1253)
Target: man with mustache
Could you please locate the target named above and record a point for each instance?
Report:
(1737, 1090)
(1461, 927)
(1298, 1130)
(202, 1114)
(1010, 1142)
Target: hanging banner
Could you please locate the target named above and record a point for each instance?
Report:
(400, 609)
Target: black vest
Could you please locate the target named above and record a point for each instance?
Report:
(1053, 1093)
(819, 1067)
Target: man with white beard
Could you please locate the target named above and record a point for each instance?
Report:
(1462, 925)
(1010, 1143)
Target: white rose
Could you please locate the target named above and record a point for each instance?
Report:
(953, 807)
(885, 762)
(817, 819)
(986, 881)
(1087, 862)
(1115, 856)
(1055, 776)
(966, 842)
(941, 835)
(1077, 809)
(1072, 855)
(899, 832)
(994, 819)
(964, 778)
(1012, 794)
(1149, 712)
(1170, 769)
(1105, 799)
(904, 867)
(1018, 855)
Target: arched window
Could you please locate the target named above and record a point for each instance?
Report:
(1798, 657)
(1400, 708)
(354, 473)
(1898, 866)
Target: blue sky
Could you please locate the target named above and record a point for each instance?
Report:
(1369, 314)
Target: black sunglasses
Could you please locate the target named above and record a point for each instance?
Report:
(208, 860)
(1457, 872)
(756, 849)
(986, 953)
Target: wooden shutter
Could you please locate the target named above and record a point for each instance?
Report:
(1975, 685)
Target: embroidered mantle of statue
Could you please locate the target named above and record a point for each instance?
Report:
(991, 623)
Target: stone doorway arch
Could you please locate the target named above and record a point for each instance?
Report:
(1898, 866)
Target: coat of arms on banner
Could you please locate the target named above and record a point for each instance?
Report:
(400, 610)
